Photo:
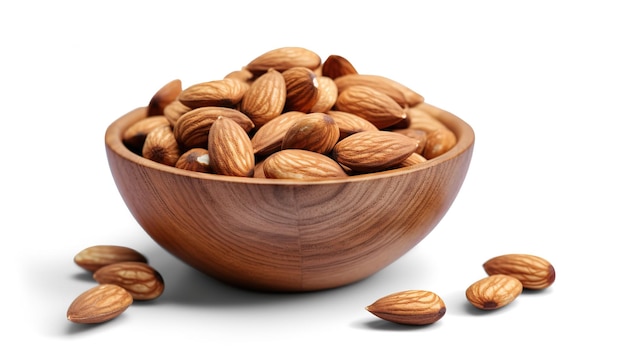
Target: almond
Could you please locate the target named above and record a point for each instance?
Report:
(349, 123)
(301, 85)
(243, 75)
(438, 142)
(414, 159)
(265, 99)
(494, 291)
(533, 271)
(326, 94)
(373, 151)
(196, 159)
(163, 97)
(414, 307)
(99, 304)
(302, 165)
(281, 59)
(336, 66)
(230, 149)
(141, 280)
(315, 132)
(369, 103)
(95, 257)
(419, 136)
(224, 92)
(382, 84)
(161, 146)
(411, 97)
(192, 128)
(174, 110)
(269, 137)
(135, 135)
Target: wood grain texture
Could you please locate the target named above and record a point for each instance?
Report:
(288, 235)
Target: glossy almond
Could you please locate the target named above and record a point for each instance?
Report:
(349, 123)
(135, 135)
(192, 128)
(163, 97)
(411, 97)
(269, 137)
(302, 89)
(161, 146)
(224, 92)
(174, 110)
(94, 257)
(336, 66)
(283, 58)
(99, 304)
(438, 142)
(369, 103)
(141, 280)
(196, 159)
(419, 136)
(414, 307)
(265, 99)
(372, 151)
(302, 165)
(382, 84)
(230, 149)
(494, 291)
(326, 94)
(533, 271)
(315, 132)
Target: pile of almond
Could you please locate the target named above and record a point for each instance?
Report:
(507, 276)
(123, 276)
(287, 114)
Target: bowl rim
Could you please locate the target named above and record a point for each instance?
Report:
(113, 141)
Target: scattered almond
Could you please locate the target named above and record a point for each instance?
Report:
(494, 291)
(141, 280)
(415, 307)
(532, 271)
(95, 257)
(99, 304)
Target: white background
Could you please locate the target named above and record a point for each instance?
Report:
(543, 84)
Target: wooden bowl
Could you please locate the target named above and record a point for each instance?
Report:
(287, 235)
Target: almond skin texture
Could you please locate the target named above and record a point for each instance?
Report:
(302, 89)
(315, 132)
(95, 257)
(196, 159)
(369, 103)
(350, 123)
(192, 128)
(284, 58)
(534, 272)
(99, 304)
(269, 138)
(336, 66)
(224, 92)
(161, 146)
(135, 135)
(373, 151)
(230, 149)
(384, 85)
(265, 99)
(141, 280)
(438, 142)
(163, 97)
(301, 164)
(494, 291)
(414, 307)
(326, 95)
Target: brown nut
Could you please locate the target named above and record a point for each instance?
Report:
(415, 307)
(230, 149)
(99, 304)
(141, 280)
(315, 132)
(494, 291)
(533, 271)
(95, 257)
(301, 164)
